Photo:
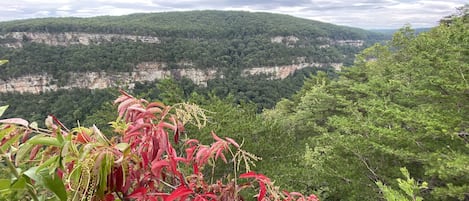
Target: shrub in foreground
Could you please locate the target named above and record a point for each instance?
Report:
(149, 158)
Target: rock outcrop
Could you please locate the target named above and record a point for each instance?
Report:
(148, 71)
(289, 41)
(282, 72)
(16, 39)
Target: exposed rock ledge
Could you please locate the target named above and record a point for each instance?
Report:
(290, 41)
(69, 38)
(148, 71)
(281, 72)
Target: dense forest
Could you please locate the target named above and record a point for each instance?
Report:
(227, 41)
(403, 104)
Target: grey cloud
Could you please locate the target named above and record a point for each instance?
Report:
(357, 13)
(257, 4)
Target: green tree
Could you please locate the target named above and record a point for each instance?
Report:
(401, 105)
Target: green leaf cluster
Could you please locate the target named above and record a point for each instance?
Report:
(410, 187)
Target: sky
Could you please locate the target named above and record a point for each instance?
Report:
(367, 14)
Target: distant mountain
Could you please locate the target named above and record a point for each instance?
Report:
(392, 31)
(98, 52)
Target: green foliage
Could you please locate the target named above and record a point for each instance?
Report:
(402, 104)
(2, 109)
(409, 186)
(68, 105)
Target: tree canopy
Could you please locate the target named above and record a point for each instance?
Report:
(403, 104)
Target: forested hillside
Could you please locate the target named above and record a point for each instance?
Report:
(245, 54)
(198, 39)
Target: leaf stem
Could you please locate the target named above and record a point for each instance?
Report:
(15, 173)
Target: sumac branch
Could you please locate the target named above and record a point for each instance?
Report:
(149, 158)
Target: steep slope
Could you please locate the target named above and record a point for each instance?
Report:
(53, 53)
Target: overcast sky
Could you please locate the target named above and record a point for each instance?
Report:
(366, 14)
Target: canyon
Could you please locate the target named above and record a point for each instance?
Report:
(142, 72)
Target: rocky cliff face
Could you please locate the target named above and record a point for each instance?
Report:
(16, 39)
(290, 41)
(148, 71)
(282, 72)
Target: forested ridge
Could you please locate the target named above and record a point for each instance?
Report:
(225, 40)
(191, 24)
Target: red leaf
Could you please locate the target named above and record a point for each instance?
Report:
(248, 175)
(176, 135)
(123, 106)
(136, 107)
(231, 141)
(145, 160)
(190, 153)
(119, 178)
(109, 197)
(58, 122)
(25, 136)
(262, 179)
(138, 193)
(220, 154)
(157, 166)
(216, 137)
(83, 138)
(137, 127)
(156, 105)
(60, 173)
(120, 99)
(196, 168)
(34, 152)
(262, 191)
(181, 192)
(168, 125)
(256, 176)
(202, 155)
(312, 197)
(123, 97)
